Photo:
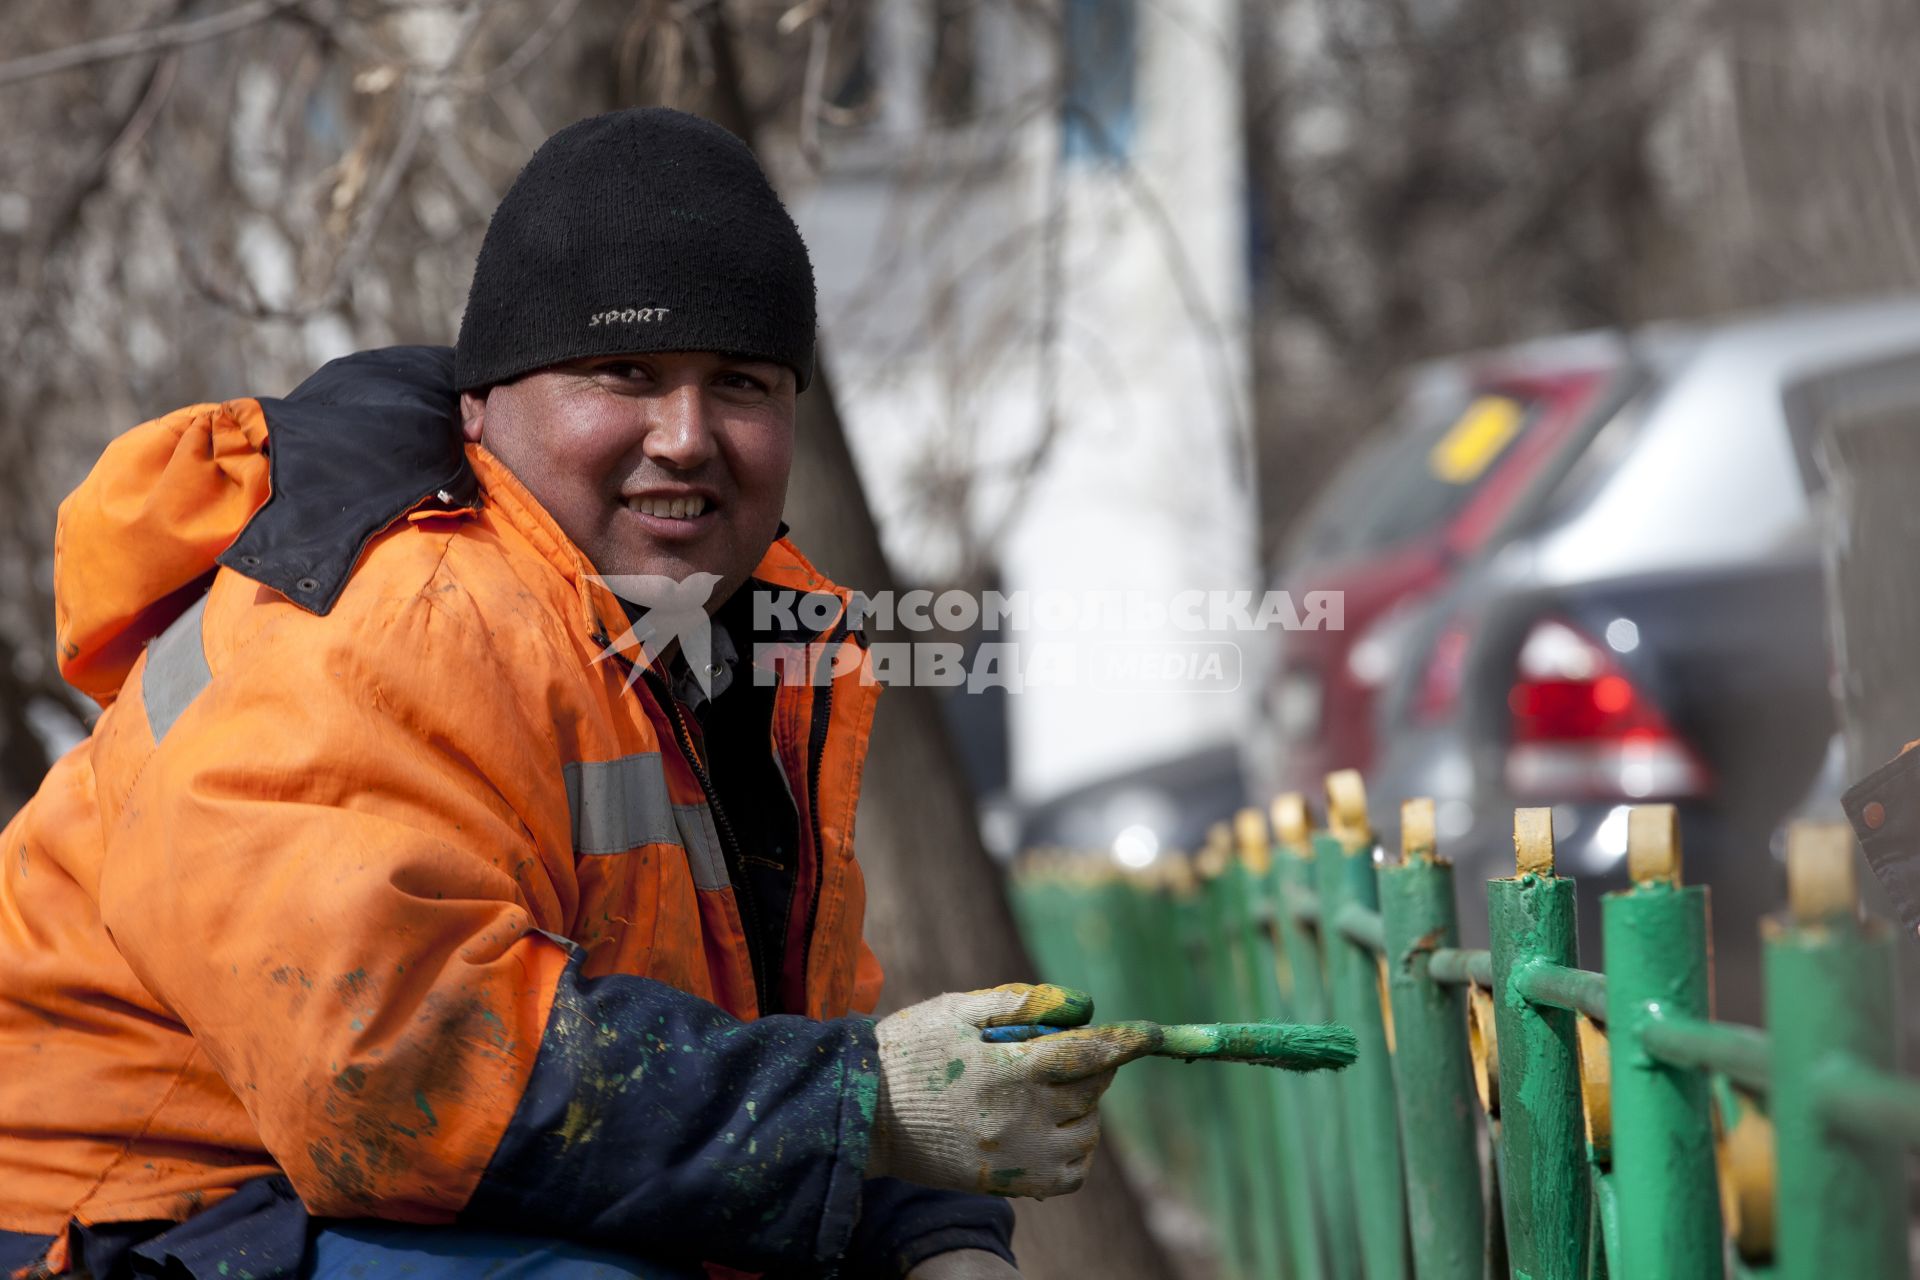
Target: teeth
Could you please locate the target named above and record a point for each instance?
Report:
(669, 508)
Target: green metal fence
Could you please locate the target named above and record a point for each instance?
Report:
(1511, 1114)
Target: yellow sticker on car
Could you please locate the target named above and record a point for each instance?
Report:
(1472, 443)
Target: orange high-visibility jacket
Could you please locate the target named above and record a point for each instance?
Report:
(336, 886)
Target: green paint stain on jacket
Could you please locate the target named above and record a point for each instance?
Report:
(866, 1093)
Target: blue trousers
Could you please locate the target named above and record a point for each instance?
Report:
(379, 1250)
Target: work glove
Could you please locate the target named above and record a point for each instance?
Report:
(965, 1264)
(1008, 1119)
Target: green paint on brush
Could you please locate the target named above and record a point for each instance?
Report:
(1291, 1046)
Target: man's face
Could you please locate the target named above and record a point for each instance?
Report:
(665, 464)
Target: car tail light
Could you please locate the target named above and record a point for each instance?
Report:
(1582, 729)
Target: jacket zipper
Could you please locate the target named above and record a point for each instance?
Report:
(816, 749)
(742, 894)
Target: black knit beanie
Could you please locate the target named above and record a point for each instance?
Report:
(639, 230)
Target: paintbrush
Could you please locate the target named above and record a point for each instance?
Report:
(1292, 1046)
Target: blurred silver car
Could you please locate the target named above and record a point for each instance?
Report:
(1650, 626)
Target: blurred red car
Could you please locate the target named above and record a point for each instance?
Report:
(1476, 436)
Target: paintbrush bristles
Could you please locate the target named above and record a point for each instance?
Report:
(1293, 1046)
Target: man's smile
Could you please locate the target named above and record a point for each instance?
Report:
(673, 515)
(677, 508)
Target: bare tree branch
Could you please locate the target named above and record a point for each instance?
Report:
(63, 213)
(148, 40)
(525, 55)
(814, 91)
(385, 187)
(158, 86)
(435, 85)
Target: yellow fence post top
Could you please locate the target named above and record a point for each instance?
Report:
(1347, 809)
(1653, 844)
(1821, 883)
(1417, 830)
(1256, 845)
(1216, 853)
(1533, 842)
(1292, 820)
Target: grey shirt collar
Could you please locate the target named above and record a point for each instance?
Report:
(724, 661)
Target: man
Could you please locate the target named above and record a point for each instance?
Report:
(393, 913)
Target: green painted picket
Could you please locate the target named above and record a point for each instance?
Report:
(1615, 1130)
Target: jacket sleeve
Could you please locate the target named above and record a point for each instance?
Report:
(902, 1224)
(658, 1122)
(342, 869)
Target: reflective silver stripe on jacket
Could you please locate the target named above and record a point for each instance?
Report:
(622, 804)
(702, 843)
(176, 670)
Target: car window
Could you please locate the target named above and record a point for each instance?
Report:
(1411, 484)
(1569, 487)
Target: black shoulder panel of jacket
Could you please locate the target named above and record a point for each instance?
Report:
(368, 438)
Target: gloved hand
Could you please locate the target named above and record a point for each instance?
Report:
(1007, 1119)
(964, 1264)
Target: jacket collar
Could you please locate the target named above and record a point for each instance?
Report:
(364, 441)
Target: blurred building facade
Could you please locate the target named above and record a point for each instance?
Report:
(1050, 395)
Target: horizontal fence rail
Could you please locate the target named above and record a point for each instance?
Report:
(1510, 1113)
